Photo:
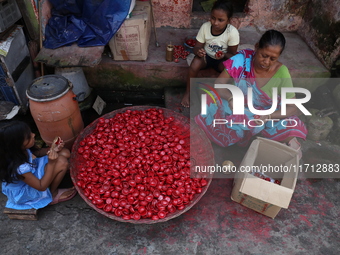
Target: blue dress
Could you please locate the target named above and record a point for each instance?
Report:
(22, 196)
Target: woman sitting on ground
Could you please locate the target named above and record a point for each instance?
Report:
(261, 71)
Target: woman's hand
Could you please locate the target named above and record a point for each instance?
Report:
(260, 119)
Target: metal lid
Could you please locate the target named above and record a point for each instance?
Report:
(48, 88)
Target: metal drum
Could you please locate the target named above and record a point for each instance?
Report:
(54, 109)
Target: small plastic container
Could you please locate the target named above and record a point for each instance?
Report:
(76, 76)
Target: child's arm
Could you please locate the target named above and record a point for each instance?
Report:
(233, 42)
(199, 49)
(39, 152)
(57, 145)
(43, 183)
(231, 51)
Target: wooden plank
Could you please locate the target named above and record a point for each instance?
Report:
(22, 217)
(30, 214)
(29, 13)
(71, 56)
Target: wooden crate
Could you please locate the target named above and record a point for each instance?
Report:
(30, 214)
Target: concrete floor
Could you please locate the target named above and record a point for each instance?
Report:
(215, 225)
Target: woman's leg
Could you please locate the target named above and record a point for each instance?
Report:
(285, 130)
(196, 65)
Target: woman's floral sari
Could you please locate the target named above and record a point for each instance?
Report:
(239, 67)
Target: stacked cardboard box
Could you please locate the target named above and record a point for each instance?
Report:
(131, 42)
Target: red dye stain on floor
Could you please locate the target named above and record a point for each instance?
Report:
(304, 218)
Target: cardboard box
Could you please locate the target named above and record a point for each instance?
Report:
(131, 42)
(260, 195)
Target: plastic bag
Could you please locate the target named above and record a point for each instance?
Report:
(87, 22)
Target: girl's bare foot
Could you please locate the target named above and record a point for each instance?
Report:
(186, 100)
(63, 195)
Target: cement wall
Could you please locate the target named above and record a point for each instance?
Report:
(285, 15)
(317, 22)
(320, 28)
(172, 13)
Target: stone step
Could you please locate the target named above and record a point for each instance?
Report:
(156, 73)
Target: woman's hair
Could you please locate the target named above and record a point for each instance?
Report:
(13, 134)
(224, 5)
(272, 38)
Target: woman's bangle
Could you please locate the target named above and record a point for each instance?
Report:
(229, 99)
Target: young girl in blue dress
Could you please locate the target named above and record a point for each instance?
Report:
(216, 41)
(30, 177)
